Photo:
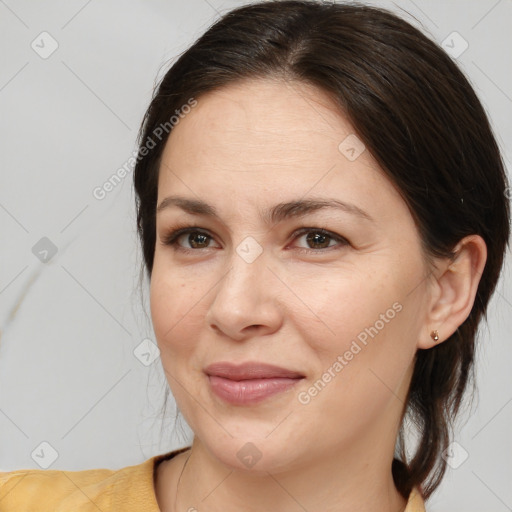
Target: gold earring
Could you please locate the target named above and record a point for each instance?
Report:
(435, 336)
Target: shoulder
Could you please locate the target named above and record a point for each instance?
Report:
(129, 489)
(49, 489)
(415, 502)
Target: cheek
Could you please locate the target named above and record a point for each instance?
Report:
(340, 303)
(178, 316)
(363, 320)
(364, 356)
(175, 306)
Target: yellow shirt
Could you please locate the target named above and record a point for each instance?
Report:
(130, 489)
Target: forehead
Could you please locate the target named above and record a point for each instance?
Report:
(254, 121)
(260, 137)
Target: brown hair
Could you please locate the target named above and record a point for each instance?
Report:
(418, 116)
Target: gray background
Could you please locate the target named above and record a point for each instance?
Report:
(69, 324)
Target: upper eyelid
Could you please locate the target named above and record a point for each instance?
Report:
(306, 229)
(177, 233)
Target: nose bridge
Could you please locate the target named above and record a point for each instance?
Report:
(243, 298)
(243, 278)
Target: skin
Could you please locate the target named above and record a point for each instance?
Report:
(243, 149)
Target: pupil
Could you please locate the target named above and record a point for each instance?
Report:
(318, 239)
(197, 239)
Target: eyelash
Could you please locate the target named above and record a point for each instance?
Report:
(171, 238)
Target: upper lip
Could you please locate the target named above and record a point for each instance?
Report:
(250, 370)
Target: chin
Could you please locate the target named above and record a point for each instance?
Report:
(253, 454)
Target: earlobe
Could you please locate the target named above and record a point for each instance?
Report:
(455, 286)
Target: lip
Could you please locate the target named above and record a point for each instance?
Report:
(250, 370)
(249, 383)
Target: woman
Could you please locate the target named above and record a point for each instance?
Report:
(322, 211)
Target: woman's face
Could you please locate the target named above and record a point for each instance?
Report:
(301, 254)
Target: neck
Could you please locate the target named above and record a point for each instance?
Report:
(337, 482)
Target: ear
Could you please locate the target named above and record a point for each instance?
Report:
(453, 285)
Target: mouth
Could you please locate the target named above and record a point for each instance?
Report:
(249, 383)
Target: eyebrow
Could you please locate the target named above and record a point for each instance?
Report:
(273, 215)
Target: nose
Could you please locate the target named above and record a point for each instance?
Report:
(245, 303)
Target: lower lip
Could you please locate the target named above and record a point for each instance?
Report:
(245, 392)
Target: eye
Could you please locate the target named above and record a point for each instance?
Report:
(192, 238)
(317, 239)
(188, 239)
